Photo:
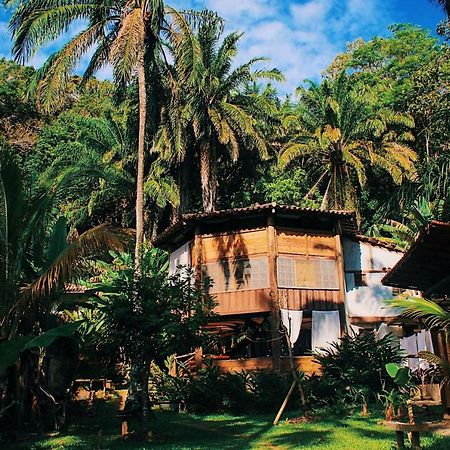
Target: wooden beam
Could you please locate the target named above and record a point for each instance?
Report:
(341, 277)
(375, 319)
(285, 401)
(197, 253)
(272, 252)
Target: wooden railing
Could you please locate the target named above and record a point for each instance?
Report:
(304, 363)
(192, 362)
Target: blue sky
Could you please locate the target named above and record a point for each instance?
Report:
(300, 37)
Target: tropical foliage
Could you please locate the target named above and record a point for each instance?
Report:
(434, 317)
(185, 125)
(168, 320)
(37, 259)
(338, 132)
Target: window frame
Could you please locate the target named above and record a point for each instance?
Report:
(293, 258)
(229, 263)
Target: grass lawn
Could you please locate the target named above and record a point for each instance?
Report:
(185, 431)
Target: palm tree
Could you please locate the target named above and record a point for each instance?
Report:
(444, 4)
(435, 317)
(403, 233)
(209, 108)
(335, 130)
(107, 148)
(125, 34)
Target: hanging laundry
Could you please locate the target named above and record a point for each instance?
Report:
(180, 257)
(292, 320)
(326, 328)
(382, 331)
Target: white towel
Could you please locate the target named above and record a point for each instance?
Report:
(383, 331)
(180, 257)
(424, 344)
(326, 329)
(428, 341)
(292, 320)
(409, 345)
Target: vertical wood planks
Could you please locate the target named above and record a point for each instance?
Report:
(272, 251)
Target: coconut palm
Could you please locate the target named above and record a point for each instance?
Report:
(444, 4)
(125, 34)
(433, 316)
(335, 130)
(209, 108)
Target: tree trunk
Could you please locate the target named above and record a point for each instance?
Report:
(137, 399)
(140, 166)
(208, 176)
(138, 387)
(185, 169)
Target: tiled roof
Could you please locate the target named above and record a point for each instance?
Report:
(377, 242)
(347, 218)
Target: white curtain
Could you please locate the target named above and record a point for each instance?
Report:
(292, 320)
(409, 346)
(414, 344)
(424, 344)
(383, 331)
(424, 341)
(326, 328)
(180, 257)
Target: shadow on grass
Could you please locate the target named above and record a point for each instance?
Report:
(300, 439)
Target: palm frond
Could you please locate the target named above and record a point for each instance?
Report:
(128, 46)
(73, 261)
(418, 308)
(442, 366)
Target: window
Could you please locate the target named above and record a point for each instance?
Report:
(238, 274)
(307, 272)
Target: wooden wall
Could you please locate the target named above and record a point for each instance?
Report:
(317, 299)
(292, 242)
(214, 247)
(243, 302)
(233, 245)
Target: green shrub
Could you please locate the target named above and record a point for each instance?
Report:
(210, 391)
(353, 369)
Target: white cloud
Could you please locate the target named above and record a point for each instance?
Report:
(301, 37)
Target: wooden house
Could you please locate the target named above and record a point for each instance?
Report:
(274, 265)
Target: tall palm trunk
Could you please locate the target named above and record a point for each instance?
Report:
(138, 391)
(140, 166)
(207, 176)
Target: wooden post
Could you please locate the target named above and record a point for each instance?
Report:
(442, 353)
(197, 254)
(293, 368)
(283, 405)
(415, 440)
(124, 428)
(341, 278)
(272, 252)
(198, 359)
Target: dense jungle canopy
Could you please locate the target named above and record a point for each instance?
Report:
(373, 136)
